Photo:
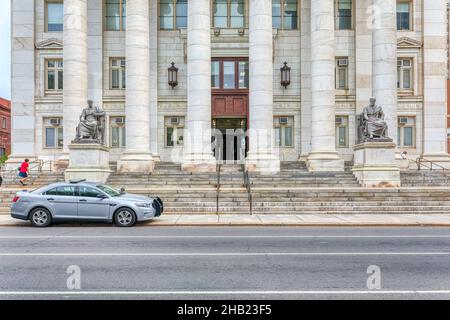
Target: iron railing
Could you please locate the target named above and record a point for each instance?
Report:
(428, 164)
(218, 170)
(247, 185)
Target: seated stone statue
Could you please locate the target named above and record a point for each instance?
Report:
(91, 126)
(371, 123)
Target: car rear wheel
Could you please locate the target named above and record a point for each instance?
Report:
(125, 218)
(40, 217)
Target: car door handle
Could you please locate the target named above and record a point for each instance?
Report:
(83, 200)
(50, 199)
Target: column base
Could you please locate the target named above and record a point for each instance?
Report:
(324, 162)
(266, 163)
(135, 162)
(375, 165)
(199, 163)
(88, 161)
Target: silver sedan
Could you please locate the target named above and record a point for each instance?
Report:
(83, 201)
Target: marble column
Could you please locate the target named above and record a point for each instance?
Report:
(261, 156)
(197, 138)
(363, 54)
(23, 82)
(323, 155)
(95, 51)
(154, 79)
(305, 82)
(75, 93)
(435, 76)
(384, 68)
(137, 157)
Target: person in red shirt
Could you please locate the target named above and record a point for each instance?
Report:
(23, 172)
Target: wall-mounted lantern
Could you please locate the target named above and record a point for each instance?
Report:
(285, 75)
(173, 76)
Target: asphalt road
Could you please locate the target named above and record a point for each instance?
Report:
(223, 263)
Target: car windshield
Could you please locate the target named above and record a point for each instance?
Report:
(109, 190)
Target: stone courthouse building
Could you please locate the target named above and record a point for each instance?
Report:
(293, 74)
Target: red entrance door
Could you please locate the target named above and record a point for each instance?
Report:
(229, 105)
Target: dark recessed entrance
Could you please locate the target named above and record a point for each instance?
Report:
(229, 82)
(229, 140)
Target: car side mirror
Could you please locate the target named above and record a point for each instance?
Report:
(102, 196)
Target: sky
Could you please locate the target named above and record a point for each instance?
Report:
(5, 49)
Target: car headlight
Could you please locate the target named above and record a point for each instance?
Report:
(143, 204)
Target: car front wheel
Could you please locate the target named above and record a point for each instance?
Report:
(125, 218)
(40, 217)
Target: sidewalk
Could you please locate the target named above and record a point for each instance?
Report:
(284, 220)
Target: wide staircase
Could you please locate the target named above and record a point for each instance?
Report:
(232, 190)
(425, 178)
(36, 179)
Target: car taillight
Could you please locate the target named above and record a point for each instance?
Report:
(16, 198)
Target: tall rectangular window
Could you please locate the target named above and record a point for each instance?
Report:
(228, 13)
(117, 132)
(237, 9)
(344, 14)
(181, 16)
(220, 13)
(54, 15)
(406, 132)
(285, 14)
(215, 74)
(342, 73)
(243, 75)
(283, 131)
(403, 15)
(405, 74)
(4, 124)
(173, 14)
(54, 74)
(229, 75)
(342, 131)
(174, 127)
(115, 15)
(53, 133)
(118, 73)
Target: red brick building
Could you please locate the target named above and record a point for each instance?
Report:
(5, 127)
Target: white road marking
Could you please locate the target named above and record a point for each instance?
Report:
(224, 292)
(50, 237)
(218, 254)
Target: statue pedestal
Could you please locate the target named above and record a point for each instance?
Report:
(88, 161)
(375, 165)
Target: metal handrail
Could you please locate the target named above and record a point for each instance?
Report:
(218, 169)
(247, 185)
(420, 161)
(39, 163)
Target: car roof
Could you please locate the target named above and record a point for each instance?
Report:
(63, 183)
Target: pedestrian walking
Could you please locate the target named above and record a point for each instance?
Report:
(24, 172)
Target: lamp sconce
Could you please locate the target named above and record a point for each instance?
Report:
(173, 76)
(285, 75)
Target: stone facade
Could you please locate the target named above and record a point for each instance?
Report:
(371, 47)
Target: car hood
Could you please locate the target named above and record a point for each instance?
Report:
(134, 197)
